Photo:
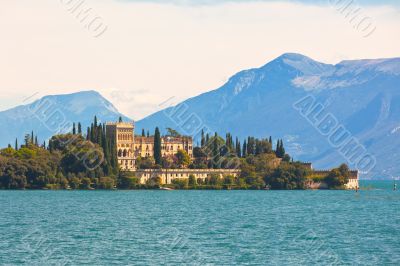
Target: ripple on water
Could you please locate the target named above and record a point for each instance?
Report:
(200, 227)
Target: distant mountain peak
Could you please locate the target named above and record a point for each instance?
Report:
(294, 56)
(59, 109)
(300, 63)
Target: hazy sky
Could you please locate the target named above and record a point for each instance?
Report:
(140, 53)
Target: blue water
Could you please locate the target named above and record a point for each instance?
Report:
(201, 227)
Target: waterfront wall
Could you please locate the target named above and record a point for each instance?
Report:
(167, 175)
(352, 184)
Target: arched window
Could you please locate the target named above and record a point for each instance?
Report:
(125, 153)
(120, 153)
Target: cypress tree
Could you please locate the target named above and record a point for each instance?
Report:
(44, 144)
(157, 146)
(50, 146)
(250, 146)
(95, 122)
(32, 139)
(207, 138)
(277, 147)
(238, 148)
(92, 133)
(99, 136)
(113, 155)
(280, 150)
(16, 144)
(143, 133)
(120, 119)
(79, 129)
(270, 140)
(203, 141)
(244, 150)
(36, 141)
(248, 152)
(148, 133)
(88, 133)
(107, 156)
(258, 147)
(73, 129)
(215, 152)
(27, 139)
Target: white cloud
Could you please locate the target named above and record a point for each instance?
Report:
(152, 52)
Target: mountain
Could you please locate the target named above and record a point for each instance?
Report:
(55, 114)
(363, 96)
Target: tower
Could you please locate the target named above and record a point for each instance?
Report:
(123, 134)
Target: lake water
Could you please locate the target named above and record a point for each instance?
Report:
(201, 227)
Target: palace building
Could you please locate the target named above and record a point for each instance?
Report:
(144, 146)
(130, 147)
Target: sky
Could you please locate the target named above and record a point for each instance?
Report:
(138, 54)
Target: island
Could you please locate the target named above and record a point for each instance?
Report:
(111, 156)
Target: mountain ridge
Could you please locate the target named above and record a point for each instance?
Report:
(259, 102)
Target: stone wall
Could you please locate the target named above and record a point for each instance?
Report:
(352, 184)
(167, 175)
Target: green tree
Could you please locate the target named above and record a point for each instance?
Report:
(106, 183)
(85, 183)
(229, 180)
(154, 182)
(215, 152)
(288, 176)
(280, 150)
(180, 183)
(203, 140)
(244, 150)
(74, 183)
(214, 180)
(172, 132)
(238, 148)
(183, 158)
(128, 180)
(157, 146)
(338, 177)
(79, 129)
(192, 181)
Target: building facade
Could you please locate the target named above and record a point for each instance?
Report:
(123, 134)
(130, 147)
(144, 146)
